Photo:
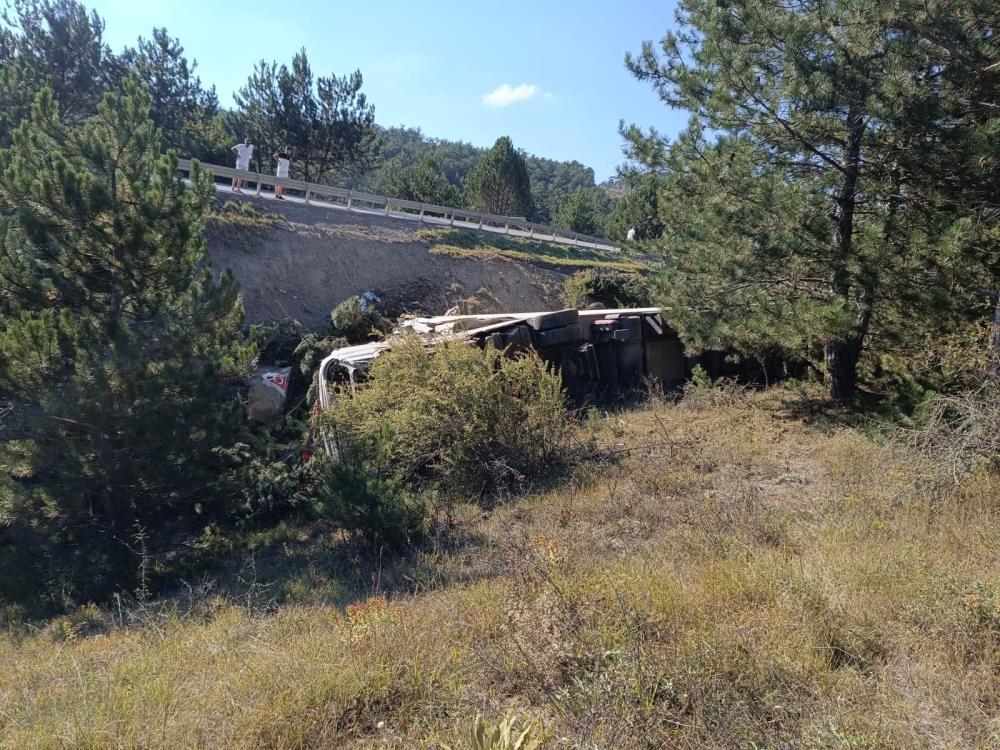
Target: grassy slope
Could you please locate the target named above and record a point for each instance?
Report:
(461, 242)
(736, 579)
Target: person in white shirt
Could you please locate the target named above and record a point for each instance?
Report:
(283, 159)
(243, 153)
(631, 234)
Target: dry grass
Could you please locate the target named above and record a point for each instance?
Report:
(243, 215)
(476, 245)
(725, 576)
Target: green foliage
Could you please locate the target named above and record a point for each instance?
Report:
(267, 475)
(552, 182)
(54, 43)
(186, 114)
(364, 491)
(358, 321)
(118, 343)
(409, 146)
(585, 211)
(499, 183)
(608, 288)
(842, 200)
(638, 209)
(469, 421)
(424, 182)
(327, 121)
(502, 736)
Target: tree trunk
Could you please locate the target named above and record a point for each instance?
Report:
(994, 361)
(842, 364)
(842, 354)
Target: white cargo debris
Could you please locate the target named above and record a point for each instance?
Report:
(268, 392)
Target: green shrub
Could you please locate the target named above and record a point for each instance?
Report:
(358, 321)
(502, 736)
(607, 288)
(470, 421)
(364, 492)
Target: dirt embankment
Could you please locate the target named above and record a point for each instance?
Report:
(305, 260)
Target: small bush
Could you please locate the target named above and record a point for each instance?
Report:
(607, 288)
(958, 434)
(471, 421)
(358, 321)
(502, 736)
(364, 492)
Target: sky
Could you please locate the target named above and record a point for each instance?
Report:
(549, 74)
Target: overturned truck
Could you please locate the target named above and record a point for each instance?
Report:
(596, 351)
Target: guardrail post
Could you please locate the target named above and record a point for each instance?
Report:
(421, 214)
(386, 208)
(480, 221)
(531, 232)
(452, 222)
(258, 183)
(308, 193)
(506, 228)
(350, 199)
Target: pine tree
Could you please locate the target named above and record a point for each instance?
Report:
(424, 182)
(186, 114)
(638, 209)
(553, 182)
(841, 197)
(428, 184)
(499, 183)
(259, 115)
(54, 43)
(579, 213)
(116, 344)
(328, 121)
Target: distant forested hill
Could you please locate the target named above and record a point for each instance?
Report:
(552, 182)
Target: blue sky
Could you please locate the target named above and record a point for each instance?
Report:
(435, 64)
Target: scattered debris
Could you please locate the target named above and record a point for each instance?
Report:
(268, 392)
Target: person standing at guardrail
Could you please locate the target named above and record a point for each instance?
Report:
(243, 153)
(283, 159)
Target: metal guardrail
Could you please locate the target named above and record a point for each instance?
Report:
(361, 202)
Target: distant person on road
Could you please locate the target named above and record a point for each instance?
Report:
(631, 234)
(283, 159)
(243, 153)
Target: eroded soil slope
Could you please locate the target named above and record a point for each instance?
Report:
(296, 261)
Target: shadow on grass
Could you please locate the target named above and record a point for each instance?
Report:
(866, 411)
(315, 564)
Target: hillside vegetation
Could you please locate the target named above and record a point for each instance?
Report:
(472, 244)
(720, 573)
(453, 553)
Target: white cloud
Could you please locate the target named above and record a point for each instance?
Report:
(505, 94)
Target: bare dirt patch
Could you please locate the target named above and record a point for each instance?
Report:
(303, 266)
